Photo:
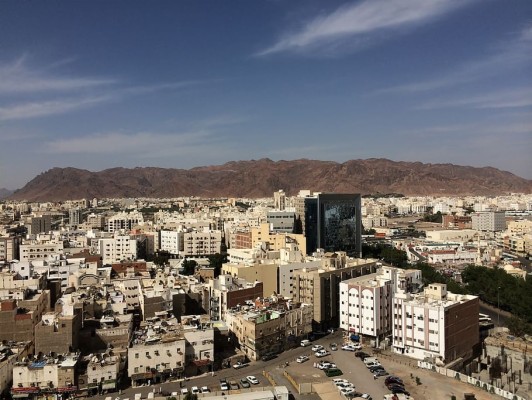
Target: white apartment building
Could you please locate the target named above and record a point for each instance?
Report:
(202, 243)
(53, 374)
(365, 305)
(286, 276)
(123, 220)
(435, 324)
(171, 241)
(492, 221)
(366, 301)
(120, 247)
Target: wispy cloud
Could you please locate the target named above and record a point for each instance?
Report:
(18, 77)
(56, 93)
(361, 22)
(504, 57)
(516, 98)
(49, 107)
(146, 144)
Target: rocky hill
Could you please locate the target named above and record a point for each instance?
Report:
(5, 193)
(260, 178)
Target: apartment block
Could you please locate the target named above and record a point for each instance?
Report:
(435, 324)
(120, 247)
(491, 221)
(200, 244)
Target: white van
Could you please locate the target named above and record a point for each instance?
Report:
(305, 343)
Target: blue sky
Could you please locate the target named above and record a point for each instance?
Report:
(100, 84)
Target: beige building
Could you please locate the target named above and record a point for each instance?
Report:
(103, 372)
(269, 328)
(257, 272)
(46, 375)
(276, 240)
(320, 286)
(40, 251)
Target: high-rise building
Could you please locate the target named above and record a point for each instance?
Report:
(74, 216)
(279, 199)
(492, 221)
(333, 222)
(41, 224)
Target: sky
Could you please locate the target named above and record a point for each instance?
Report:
(180, 84)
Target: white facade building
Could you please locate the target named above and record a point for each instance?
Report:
(492, 221)
(118, 248)
(171, 241)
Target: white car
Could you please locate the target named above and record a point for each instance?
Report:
(322, 353)
(366, 396)
(326, 365)
(346, 391)
(338, 380)
(302, 359)
(205, 389)
(317, 347)
(343, 385)
(194, 390)
(350, 347)
(251, 379)
(184, 391)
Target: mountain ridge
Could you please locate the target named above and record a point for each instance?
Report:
(260, 178)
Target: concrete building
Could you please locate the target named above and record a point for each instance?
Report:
(33, 250)
(19, 317)
(120, 247)
(57, 333)
(74, 216)
(226, 292)
(123, 221)
(10, 354)
(279, 200)
(171, 241)
(103, 372)
(435, 324)
(40, 224)
(491, 221)
(9, 248)
(46, 376)
(266, 326)
(319, 286)
(201, 244)
(281, 221)
(256, 272)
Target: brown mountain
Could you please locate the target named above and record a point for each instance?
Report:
(261, 178)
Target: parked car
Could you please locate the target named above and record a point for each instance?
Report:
(333, 372)
(366, 396)
(326, 365)
(333, 346)
(347, 391)
(380, 372)
(339, 380)
(267, 357)
(223, 384)
(361, 355)
(317, 347)
(184, 391)
(205, 389)
(391, 386)
(239, 365)
(343, 385)
(302, 359)
(322, 353)
(244, 383)
(376, 368)
(305, 343)
(251, 379)
(393, 378)
(400, 390)
(194, 390)
(233, 385)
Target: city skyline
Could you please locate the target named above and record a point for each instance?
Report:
(97, 85)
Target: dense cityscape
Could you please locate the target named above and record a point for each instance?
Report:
(209, 296)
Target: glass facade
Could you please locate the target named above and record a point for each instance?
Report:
(333, 223)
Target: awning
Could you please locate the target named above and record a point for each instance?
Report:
(20, 395)
(201, 363)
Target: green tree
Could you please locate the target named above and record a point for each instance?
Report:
(189, 267)
(517, 326)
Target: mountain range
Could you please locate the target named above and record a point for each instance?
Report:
(260, 178)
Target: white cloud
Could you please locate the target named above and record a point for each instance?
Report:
(49, 107)
(18, 77)
(358, 21)
(506, 56)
